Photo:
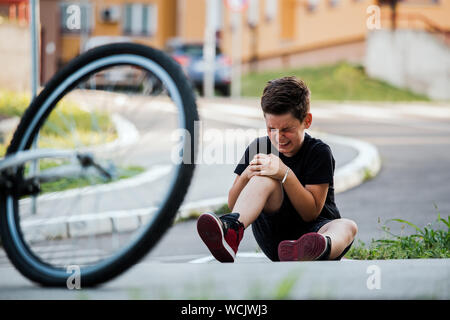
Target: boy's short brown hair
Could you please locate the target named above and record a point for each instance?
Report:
(287, 94)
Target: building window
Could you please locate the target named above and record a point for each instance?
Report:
(76, 17)
(271, 9)
(140, 19)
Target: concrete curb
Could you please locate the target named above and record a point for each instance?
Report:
(365, 166)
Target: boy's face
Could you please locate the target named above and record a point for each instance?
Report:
(287, 132)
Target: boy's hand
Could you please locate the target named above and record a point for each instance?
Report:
(250, 171)
(268, 165)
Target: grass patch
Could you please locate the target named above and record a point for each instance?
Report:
(68, 126)
(79, 182)
(431, 241)
(338, 82)
(73, 183)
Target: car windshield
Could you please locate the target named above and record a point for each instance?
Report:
(195, 50)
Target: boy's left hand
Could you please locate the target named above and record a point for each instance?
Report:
(269, 165)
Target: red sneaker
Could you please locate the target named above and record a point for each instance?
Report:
(311, 246)
(221, 235)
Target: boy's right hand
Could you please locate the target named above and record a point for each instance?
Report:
(249, 172)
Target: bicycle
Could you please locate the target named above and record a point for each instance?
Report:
(78, 185)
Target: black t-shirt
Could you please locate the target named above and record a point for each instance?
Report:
(312, 164)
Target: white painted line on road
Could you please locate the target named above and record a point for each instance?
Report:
(202, 260)
(256, 255)
(251, 255)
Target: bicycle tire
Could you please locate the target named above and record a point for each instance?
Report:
(12, 238)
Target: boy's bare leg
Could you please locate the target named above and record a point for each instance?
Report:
(261, 194)
(342, 232)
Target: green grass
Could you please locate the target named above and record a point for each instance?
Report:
(431, 241)
(79, 182)
(68, 125)
(72, 183)
(337, 82)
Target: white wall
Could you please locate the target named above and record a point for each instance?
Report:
(411, 59)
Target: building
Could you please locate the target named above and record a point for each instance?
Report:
(287, 33)
(275, 33)
(68, 25)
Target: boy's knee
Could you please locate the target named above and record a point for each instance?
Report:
(263, 180)
(352, 226)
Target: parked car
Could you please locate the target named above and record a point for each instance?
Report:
(190, 57)
(121, 77)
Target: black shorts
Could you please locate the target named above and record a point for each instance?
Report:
(270, 230)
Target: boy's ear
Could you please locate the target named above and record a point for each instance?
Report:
(308, 120)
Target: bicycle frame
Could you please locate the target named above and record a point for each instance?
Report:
(10, 163)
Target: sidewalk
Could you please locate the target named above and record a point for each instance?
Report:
(378, 279)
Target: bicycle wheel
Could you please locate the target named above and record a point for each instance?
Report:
(128, 113)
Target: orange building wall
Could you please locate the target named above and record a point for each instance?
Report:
(325, 26)
(191, 19)
(166, 27)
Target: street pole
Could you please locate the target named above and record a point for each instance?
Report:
(34, 33)
(209, 49)
(34, 29)
(84, 24)
(236, 54)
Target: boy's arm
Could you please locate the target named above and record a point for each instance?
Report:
(308, 201)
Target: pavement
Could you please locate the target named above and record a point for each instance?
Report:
(252, 280)
(255, 277)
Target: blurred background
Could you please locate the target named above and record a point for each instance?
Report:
(353, 38)
(378, 70)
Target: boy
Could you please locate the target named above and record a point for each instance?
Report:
(286, 191)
